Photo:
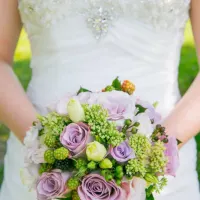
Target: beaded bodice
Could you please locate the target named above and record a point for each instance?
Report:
(99, 15)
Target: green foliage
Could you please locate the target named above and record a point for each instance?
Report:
(117, 84)
(83, 90)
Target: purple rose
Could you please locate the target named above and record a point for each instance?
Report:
(88, 97)
(75, 137)
(150, 110)
(120, 105)
(51, 185)
(123, 152)
(96, 187)
(173, 156)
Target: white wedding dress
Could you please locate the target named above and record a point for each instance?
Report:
(88, 43)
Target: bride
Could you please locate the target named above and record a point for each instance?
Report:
(90, 42)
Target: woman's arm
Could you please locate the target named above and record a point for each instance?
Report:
(184, 121)
(15, 109)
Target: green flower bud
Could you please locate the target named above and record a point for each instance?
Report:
(73, 183)
(95, 151)
(75, 111)
(151, 178)
(105, 164)
(49, 156)
(50, 140)
(61, 153)
(80, 163)
(92, 165)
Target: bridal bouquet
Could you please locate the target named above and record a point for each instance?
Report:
(104, 145)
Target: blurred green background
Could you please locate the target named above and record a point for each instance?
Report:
(187, 72)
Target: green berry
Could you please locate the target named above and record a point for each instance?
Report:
(128, 122)
(73, 183)
(49, 156)
(136, 124)
(50, 140)
(45, 167)
(61, 153)
(119, 169)
(75, 195)
(105, 164)
(64, 165)
(109, 88)
(118, 182)
(109, 177)
(119, 175)
(80, 163)
(92, 165)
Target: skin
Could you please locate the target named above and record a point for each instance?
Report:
(17, 112)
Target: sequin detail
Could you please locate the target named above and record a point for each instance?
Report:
(101, 15)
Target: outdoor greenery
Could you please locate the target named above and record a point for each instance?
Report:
(187, 72)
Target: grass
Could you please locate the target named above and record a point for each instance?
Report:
(187, 71)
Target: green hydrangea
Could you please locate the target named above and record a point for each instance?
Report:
(141, 145)
(49, 156)
(157, 158)
(135, 167)
(61, 153)
(53, 123)
(73, 183)
(50, 140)
(104, 131)
(80, 163)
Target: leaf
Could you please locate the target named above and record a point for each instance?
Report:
(83, 90)
(178, 142)
(117, 84)
(151, 197)
(140, 108)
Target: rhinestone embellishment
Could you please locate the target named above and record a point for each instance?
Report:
(99, 20)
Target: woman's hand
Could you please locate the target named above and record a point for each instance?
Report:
(184, 121)
(16, 111)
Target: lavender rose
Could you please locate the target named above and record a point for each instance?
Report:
(51, 185)
(173, 157)
(75, 137)
(119, 104)
(150, 111)
(96, 187)
(123, 152)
